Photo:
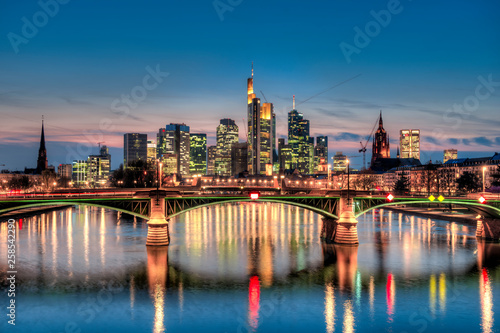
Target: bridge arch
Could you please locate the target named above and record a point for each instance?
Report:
(71, 203)
(236, 200)
(481, 209)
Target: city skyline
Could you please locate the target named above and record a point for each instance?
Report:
(76, 77)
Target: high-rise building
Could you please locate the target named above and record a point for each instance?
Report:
(260, 133)
(239, 156)
(380, 142)
(321, 150)
(64, 171)
(98, 168)
(198, 154)
(135, 147)
(450, 154)
(227, 136)
(211, 153)
(285, 155)
(151, 155)
(174, 139)
(79, 173)
(302, 145)
(409, 143)
(339, 162)
(41, 163)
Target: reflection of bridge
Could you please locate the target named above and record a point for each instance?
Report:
(338, 209)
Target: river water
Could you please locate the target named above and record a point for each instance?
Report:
(249, 267)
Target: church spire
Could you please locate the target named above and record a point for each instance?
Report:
(42, 154)
(380, 122)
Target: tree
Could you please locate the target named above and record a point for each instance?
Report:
(496, 177)
(20, 183)
(137, 174)
(401, 185)
(468, 182)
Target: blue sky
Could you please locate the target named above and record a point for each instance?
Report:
(414, 67)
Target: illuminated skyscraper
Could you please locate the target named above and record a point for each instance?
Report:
(135, 147)
(151, 152)
(409, 143)
(79, 173)
(198, 154)
(174, 140)
(321, 150)
(450, 154)
(260, 133)
(380, 142)
(227, 136)
(301, 144)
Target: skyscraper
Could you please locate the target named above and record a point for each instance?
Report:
(198, 154)
(409, 143)
(339, 162)
(239, 156)
(135, 147)
(450, 154)
(321, 150)
(301, 144)
(380, 142)
(174, 140)
(151, 147)
(211, 153)
(227, 136)
(260, 133)
(41, 163)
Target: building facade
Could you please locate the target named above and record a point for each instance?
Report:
(198, 154)
(174, 140)
(300, 142)
(380, 148)
(450, 154)
(239, 158)
(261, 128)
(135, 148)
(227, 136)
(211, 153)
(409, 143)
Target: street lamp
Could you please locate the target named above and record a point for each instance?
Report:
(484, 169)
(328, 173)
(348, 188)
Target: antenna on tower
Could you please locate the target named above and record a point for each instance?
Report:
(293, 108)
(252, 69)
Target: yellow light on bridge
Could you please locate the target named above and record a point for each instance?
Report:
(432, 198)
(440, 198)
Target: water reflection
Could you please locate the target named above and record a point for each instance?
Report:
(157, 283)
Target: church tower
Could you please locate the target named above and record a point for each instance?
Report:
(42, 154)
(380, 142)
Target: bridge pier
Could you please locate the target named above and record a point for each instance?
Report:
(488, 229)
(158, 234)
(345, 229)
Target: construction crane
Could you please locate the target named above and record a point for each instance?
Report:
(264, 96)
(363, 147)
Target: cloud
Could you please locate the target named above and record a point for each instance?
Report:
(338, 113)
(483, 141)
(346, 136)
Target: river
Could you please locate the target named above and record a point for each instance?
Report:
(249, 267)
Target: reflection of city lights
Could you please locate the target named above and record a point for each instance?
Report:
(348, 317)
(329, 308)
(442, 292)
(486, 298)
(371, 291)
(432, 294)
(253, 302)
(390, 295)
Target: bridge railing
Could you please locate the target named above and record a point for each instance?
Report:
(65, 195)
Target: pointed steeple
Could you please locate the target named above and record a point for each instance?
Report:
(42, 154)
(380, 122)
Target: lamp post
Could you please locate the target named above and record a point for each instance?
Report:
(484, 169)
(348, 187)
(328, 181)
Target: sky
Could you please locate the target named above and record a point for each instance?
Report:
(98, 69)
